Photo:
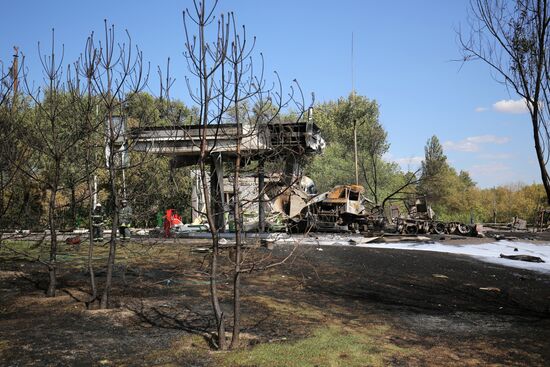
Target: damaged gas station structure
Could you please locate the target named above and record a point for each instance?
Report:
(261, 144)
(284, 200)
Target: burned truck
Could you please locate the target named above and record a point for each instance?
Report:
(421, 219)
(344, 208)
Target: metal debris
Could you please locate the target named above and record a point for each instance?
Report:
(490, 289)
(528, 258)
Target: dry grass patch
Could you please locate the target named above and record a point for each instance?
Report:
(183, 350)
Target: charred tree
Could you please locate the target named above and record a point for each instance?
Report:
(12, 153)
(52, 136)
(207, 61)
(118, 76)
(87, 109)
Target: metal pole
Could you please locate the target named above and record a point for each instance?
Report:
(123, 185)
(261, 186)
(355, 151)
(353, 113)
(15, 71)
(95, 191)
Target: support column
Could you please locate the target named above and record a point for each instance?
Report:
(293, 169)
(261, 204)
(197, 200)
(216, 192)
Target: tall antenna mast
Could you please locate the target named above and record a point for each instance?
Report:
(352, 68)
(15, 70)
(353, 112)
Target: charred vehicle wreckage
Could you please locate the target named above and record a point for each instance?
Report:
(346, 208)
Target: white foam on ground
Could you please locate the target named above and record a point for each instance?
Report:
(489, 252)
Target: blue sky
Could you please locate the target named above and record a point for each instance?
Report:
(404, 52)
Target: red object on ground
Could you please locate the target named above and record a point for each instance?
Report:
(73, 241)
(171, 219)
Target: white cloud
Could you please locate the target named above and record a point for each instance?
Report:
(496, 156)
(413, 161)
(481, 109)
(461, 146)
(406, 163)
(488, 139)
(495, 168)
(511, 106)
(473, 143)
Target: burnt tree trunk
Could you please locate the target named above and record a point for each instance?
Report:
(93, 296)
(214, 297)
(540, 157)
(73, 206)
(52, 263)
(238, 239)
(115, 218)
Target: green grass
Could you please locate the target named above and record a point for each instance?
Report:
(332, 346)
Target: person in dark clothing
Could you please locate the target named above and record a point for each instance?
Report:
(125, 219)
(97, 223)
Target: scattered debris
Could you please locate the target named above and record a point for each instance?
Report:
(440, 276)
(490, 289)
(543, 219)
(518, 224)
(187, 228)
(142, 232)
(392, 239)
(269, 243)
(529, 258)
(361, 240)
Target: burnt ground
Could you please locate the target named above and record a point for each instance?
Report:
(447, 309)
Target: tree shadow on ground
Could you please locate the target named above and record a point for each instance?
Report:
(184, 318)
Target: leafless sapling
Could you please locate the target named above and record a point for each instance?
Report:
(512, 38)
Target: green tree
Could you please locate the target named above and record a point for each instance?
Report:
(435, 170)
(336, 165)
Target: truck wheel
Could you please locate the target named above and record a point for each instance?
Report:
(411, 229)
(463, 229)
(439, 228)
